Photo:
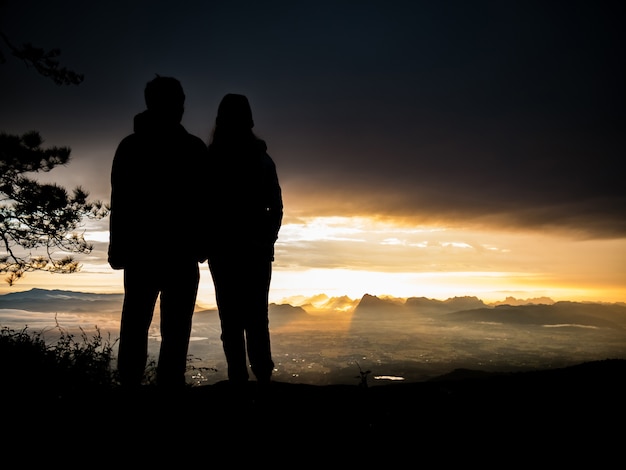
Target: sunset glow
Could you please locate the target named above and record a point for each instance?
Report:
(423, 149)
(342, 256)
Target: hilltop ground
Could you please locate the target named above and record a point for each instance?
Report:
(575, 413)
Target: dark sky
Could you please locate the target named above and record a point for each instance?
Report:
(504, 114)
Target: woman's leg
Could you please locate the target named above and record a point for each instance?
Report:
(230, 294)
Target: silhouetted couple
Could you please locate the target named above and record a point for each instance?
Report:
(177, 202)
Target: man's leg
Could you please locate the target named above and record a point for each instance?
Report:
(178, 301)
(140, 294)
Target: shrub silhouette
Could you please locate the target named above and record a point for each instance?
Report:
(29, 364)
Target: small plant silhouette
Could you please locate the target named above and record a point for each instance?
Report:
(362, 376)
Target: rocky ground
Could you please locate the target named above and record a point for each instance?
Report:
(553, 417)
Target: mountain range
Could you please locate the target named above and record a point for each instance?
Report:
(327, 340)
(457, 309)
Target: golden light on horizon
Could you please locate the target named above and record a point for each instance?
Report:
(343, 256)
(354, 256)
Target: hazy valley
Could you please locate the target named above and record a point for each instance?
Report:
(331, 340)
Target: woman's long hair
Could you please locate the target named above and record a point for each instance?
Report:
(234, 123)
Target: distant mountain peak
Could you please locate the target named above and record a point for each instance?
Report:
(535, 301)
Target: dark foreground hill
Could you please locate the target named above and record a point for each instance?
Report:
(573, 414)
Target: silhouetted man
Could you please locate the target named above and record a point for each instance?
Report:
(155, 181)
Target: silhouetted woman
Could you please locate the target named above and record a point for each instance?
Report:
(246, 212)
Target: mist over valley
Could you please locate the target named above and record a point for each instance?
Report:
(326, 340)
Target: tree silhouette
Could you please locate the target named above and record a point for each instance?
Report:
(35, 217)
(44, 62)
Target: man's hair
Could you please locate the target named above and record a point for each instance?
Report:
(164, 93)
